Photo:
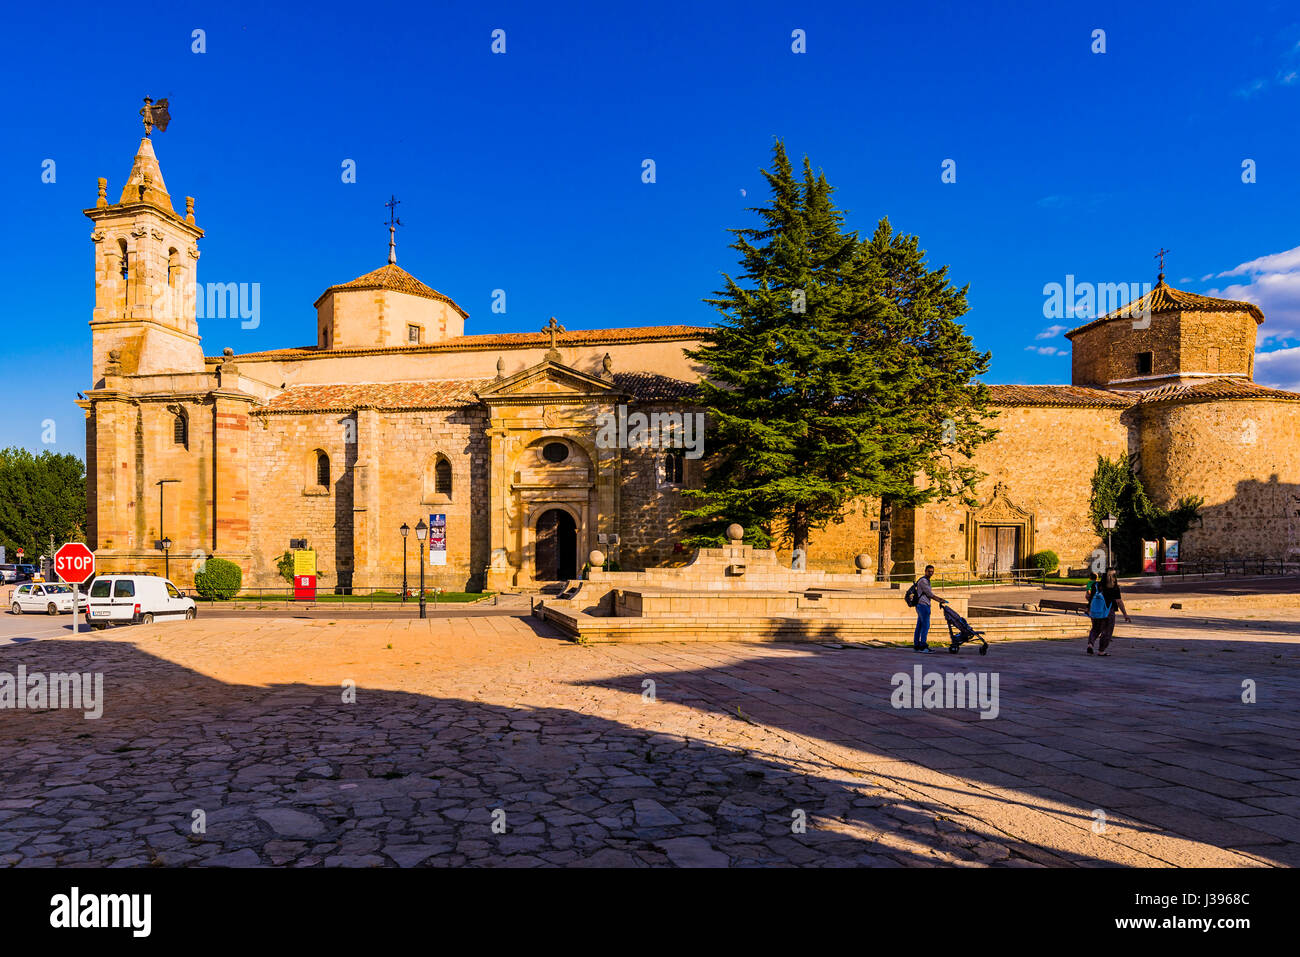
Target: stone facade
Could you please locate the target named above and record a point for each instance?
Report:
(396, 415)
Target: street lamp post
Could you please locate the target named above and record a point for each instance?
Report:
(421, 532)
(1109, 523)
(405, 530)
(167, 554)
(162, 488)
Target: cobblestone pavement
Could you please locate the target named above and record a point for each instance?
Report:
(489, 741)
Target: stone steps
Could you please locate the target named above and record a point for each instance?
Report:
(693, 628)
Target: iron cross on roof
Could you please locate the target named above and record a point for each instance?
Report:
(1161, 256)
(393, 223)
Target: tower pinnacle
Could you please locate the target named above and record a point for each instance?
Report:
(393, 223)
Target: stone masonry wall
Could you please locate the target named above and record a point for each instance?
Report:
(1242, 457)
(1045, 457)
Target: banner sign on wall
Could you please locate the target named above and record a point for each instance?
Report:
(437, 539)
(1149, 553)
(1171, 555)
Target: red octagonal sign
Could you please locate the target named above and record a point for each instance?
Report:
(74, 563)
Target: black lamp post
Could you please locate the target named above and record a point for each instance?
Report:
(1109, 523)
(405, 530)
(421, 532)
(165, 543)
(167, 554)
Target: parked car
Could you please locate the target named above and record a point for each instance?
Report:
(35, 597)
(136, 599)
(8, 573)
(27, 573)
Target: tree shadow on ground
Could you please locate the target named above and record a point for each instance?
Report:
(290, 775)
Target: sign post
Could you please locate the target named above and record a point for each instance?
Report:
(304, 575)
(74, 563)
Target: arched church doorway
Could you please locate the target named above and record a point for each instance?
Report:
(557, 546)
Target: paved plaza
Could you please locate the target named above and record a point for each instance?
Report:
(488, 740)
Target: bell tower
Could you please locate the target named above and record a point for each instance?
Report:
(146, 258)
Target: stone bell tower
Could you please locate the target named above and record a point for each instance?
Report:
(146, 258)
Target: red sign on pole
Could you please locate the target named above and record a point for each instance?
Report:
(21, 553)
(74, 563)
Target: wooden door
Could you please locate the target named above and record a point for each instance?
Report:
(987, 550)
(997, 550)
(1008, 549)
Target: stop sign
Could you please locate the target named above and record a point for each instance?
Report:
(74, 563)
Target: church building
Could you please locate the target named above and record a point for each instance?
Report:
(396, 416)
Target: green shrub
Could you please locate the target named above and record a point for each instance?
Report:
(219, 580)
(1046, 560)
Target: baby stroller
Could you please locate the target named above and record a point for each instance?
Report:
(960, 632)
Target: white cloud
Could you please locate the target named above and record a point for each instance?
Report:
(1272, 282)
(1051, 332)
(1045, 350)
(1279, 368)
(1250, 89)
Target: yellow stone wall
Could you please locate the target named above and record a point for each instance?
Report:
(1243, 458)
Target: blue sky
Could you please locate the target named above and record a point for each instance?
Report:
(523, 171)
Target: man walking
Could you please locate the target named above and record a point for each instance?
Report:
(924, 594)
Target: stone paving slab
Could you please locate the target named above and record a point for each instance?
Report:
(487, 741)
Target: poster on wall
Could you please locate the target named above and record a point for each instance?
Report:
(1171, 555)
(1149, 552)
(437, 539)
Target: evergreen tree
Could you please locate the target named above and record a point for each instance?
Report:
(824, 345)
(939, 409)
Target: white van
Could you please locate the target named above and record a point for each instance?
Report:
(138, 599)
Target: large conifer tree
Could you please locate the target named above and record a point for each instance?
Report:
(837, 373)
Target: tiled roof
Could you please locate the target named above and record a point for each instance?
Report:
(1058, 395)
(1217, 389)
(394, 277)
(651, 385)
(438, 394)
(502, 340)
(1165, 298)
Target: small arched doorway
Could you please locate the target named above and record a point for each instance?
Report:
(557, 546)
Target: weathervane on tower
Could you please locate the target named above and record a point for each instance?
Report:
(1161, 256)
(393, 223)
(155, 114)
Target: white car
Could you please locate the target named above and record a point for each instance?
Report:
(51, 599)
(136, 599)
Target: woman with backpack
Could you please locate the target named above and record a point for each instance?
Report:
(1104, 598)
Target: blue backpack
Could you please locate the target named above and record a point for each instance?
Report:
(1098, 607)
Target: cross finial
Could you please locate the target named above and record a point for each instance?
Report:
(393, 223)
(1161, 256)
(554, 328)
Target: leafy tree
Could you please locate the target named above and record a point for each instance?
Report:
(1117, 490)
(41, 496)
(836, 373)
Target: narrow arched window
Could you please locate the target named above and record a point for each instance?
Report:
(322, 470)
(123, 268)
(442, 477)
(173, 267)
(674, 466)
(180, 430)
